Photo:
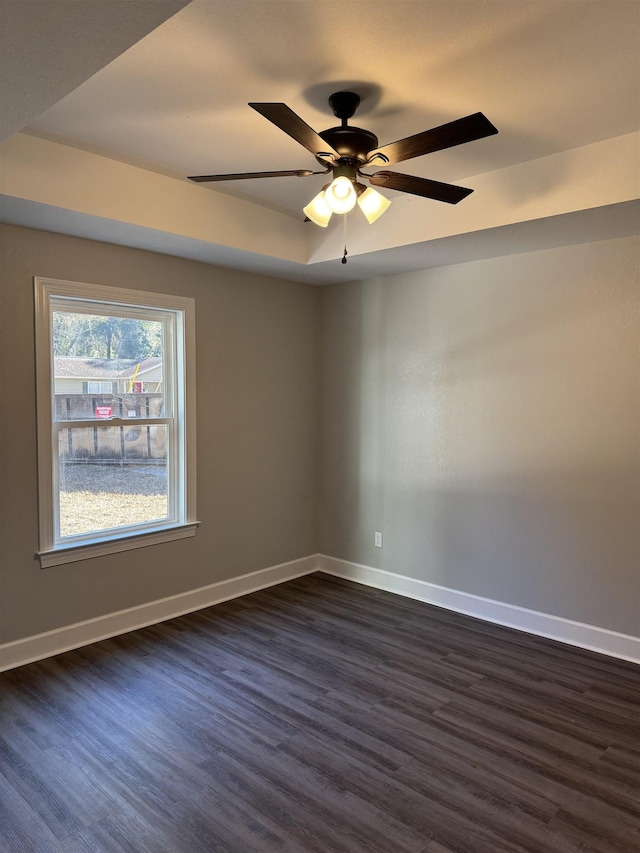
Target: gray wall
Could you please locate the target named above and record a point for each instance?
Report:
(257, 416)
(484, 416)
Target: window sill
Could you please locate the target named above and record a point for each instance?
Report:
(74, 553)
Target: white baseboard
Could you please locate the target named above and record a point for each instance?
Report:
(79, 634)
(64, 639)
(623, 646)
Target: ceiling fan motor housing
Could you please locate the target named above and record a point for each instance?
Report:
(351, 143)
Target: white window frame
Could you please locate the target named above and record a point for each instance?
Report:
(52, 294)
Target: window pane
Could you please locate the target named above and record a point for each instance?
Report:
(111, 477)
(104, 365)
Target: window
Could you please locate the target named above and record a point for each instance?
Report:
(115, 379)
(96, 387)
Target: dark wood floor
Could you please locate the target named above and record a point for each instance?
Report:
(320, 715)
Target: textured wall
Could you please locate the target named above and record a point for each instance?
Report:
(484, 416)
(257, 415)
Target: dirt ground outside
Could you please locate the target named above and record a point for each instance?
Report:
(98, 497)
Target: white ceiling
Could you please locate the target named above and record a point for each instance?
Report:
(49, 47)
(552, 75)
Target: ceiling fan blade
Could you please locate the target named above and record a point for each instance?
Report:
(420, 186)
(243, 176)
(466, 129)
(284, 117)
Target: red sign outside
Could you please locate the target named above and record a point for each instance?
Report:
(104, 411)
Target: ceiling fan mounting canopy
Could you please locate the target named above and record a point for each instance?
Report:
(345, 150)
(344, 104)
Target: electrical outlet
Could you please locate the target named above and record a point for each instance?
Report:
(377, 541)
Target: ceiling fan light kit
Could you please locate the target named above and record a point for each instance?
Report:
(340, 195)
(372, 204)
(318, 211)
(345, 150)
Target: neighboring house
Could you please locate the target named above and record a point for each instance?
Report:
(107, 375)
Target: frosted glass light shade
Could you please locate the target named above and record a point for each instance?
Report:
(318, 210)
(372, 204)
(340, 195)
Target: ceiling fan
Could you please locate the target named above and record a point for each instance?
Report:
(344, 151)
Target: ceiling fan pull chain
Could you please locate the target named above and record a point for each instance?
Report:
(344, 257)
